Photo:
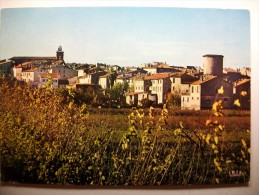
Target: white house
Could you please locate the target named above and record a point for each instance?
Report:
(44, 77)
(32, 75)
(181, 82)
(17, 72)
(122, 78)
(160, 86)
(135, 98)
(92, 78)
(104, 81)
(81, 73)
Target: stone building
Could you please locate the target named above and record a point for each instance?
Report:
(44, 77)
(104, 81)
(60, 54)
(63, 71)
(92, 78)
(32, 75)
(204, 93)
(181, 82)
(6, 67)
(139, 90)
(160, 86)
(242, 92)
(213, 65)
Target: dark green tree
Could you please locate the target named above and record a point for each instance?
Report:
(118, 93)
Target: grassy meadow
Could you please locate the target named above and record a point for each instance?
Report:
(46, 138)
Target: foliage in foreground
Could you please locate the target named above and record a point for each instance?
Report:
(45, 139)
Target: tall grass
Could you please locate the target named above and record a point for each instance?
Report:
(48, 138)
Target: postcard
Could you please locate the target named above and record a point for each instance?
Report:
(125, 96)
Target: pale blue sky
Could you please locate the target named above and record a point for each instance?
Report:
(128, 36)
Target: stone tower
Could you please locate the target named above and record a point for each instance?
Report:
(213, 65)
(60, 53)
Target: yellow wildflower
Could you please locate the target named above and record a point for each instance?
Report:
(221, 90)
(237, 103)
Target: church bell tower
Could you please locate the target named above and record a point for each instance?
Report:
(60, 53)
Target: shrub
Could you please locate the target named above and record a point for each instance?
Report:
(46, 137)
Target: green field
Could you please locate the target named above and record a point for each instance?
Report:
(47, 140)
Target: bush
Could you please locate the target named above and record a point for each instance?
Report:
(45, 137)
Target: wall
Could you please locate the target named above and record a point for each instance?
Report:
(209, 93)
(64, 72)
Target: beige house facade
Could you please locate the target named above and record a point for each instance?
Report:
(160, 86)
(64, 72)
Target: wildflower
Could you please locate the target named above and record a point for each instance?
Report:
(244, 143)
(237, 103)
(216, 139)
(208, 138)
(208, 122)
(217, 180)
(243, 93)
(221, 90)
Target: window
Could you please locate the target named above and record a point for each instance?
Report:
(173, 80)
(197, 89)
(43, 80)
(192, 89)
(187, 99)
(197, 98)
(192, 98)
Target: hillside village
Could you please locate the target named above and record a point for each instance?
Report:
(154, 82)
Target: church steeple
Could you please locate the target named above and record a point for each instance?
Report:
(60, 53)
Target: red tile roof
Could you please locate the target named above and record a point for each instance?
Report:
(121, 76)
(157, 76)
(23, 64)
(137, 77)
(177, 74)
(46, 75)
(5, 62)
(242, 82)
(230, 70)
(163, 66)
(30, 70)
(203, 81)
(33, 58)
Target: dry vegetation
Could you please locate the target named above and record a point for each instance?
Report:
(48, 138)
